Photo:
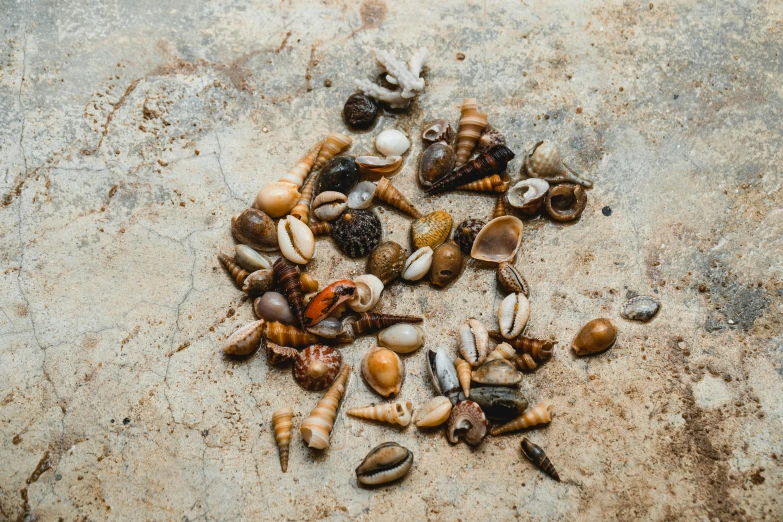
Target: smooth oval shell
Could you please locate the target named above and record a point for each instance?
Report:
(385, 463)
(273, 306)
(511, 280)
(383, 371)
(499, 403)
(436, 130)
(373, 167)
(499, 240)
(466, 232)
(434, 413)
(513, 314)
(357, 232)
(339, 174)
(255, 229)
(447, 263)
(368, 292)
(328, 205)
(432, 229)
(258, 283)
(402, 338)
(596, 336)
(467, 422)
(436, 161)
(640, 308)
(386, 261)
(418, 264)
(498, 372)
(277, 199)
(361, 195)
(392, 142)
(297, 243)
(245, 340)
(317, 366)
(528, 195)
(251, 260)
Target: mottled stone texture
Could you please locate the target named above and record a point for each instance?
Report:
(131, 131)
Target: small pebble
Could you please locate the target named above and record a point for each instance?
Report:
(606, 211)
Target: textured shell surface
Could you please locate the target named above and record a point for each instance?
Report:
(502, 351)
(402, 338)
(392, 142)
(528, 195)
(485, 164)
(490, 137)
(463, 373)
(640, 308)
(399, 413)
(301, 170)
(361, 195)
(245, 340)
(309, 284)
(511, 279)
(368, 292)
(317, 366)
(596, 336)
(373, 166)
(287, 335)
(437, 160)
(255, 229)
(282, 420)
(325, 301)
(277, 199)
(513, 314)
(565, 202)
(434, 413)
(328, 205)
(383, 371)
(431, 230)
(436, 130)
(251, 260)
(537, 456)
(539, 349)
(466, 232)
(386, 261)
(499, 403)
(238, 274)
(498, 372)
(360, 111)
(385, 463)
(473, 341)
(418, 264)
(339, 174)
(471, 124)
(447, 263)
(444, 376)
(297, 242)
(371, 322)
(273, 306)
(276, 354)
(544, 162)
(539, 414)
(499, 240)
(357, 232)
(259, 282)
(391, 195)
(317, 427)
(334, 143)
(467, 422)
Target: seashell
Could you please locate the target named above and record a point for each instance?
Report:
(255, 229)
(499, 403)
(463, 373)
(245, 340)
(447, 263)
(525, 362)
(320, 228)
(386, 261)
(392, 142)
(499, 240)
(513, 313)
(301, 210)
(544, 162)
(389, 194)
(327, 206)
(273, 307)
(357, 232)
(297, 242)
(537, 456)
(277, 199)
(499, 210)
(434, 413)
(288, 280)
(396, 413)
(386, 462)
(383, 371)
(641, 308)
(471, 124)
(287, 335)
(467, 422)
(511, 280)
(565, 202)
(487, 163)
(360, 111)
(418, 264)
(499, 372)
(361, 195)
(444, 376)
(493, 183)
(316, 367)
(309, 284)
(251, 260)
(402, 338)
(502, 351)
(596, 336)
(540, 414)
(436, 162)
(276, 354)
(317, 427)
(466, 232)
(298, 174)
(437, 130)
(258, 283)
(473, 342)
(368, 292)
(373, 166)
(540, 350)
(327, 300)
(528, 195)
(238, 274)
(369, 322)
(490, 137)
(332, 328)
(282, 420)
(338, 175)
(333, 145)
(432, 229)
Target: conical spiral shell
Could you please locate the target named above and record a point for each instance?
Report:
(309, 284)
(493, 183)
(463, 372)
(317, 427)
(389, 194)
(320, 228)
(525, 362)
(238, 273)
(286, 335)
(540, 414)
(333, 145)
(396, 413)
(369, 322)
(502, 351)
(539, 349)
(500, 208)
(282, 420)
(288, 279)
(494, 161)
(299, 173)
(301, 210)
(471, 124)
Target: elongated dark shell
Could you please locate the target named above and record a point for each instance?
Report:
(385, 463)
(487, 163)
(538, 457)
(539, 349)
(317, 366)
(467, 421)
(511, 280)
(565, 202)
(357, 232)
(466, 232)
(499, 403)
(641, 308)
(287, 277)
(255, 229)
(369, 322)
(238, 274)
(386, 261)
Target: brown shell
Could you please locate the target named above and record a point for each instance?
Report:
(471, 124)
(327, 300)
(538, 457)
(286, 335)
(357, 232)
(596, 336)
(466, 232)
(447, 263)
(276, 354)
(320, 228)
(390, 195)
(238, 274)
(493, 183)
(255, 229)
(259, 282)
(432, 229)
(467, 421)
(565, 202)
(309, 284)
(386, 261)
(486, 164)
(436, 162)
(369, 322)
(490, 137)
(539, 349)
(288, 280)
(383, 371)
(511, 281)
(436, 130)
(317, 366)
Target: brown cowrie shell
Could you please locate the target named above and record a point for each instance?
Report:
(596, 336)
(327, 206)
(385, 463)
(511, 280)
(447, 263)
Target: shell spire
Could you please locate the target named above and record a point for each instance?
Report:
(301, 210)
(502, 351)
(538, 456)
(369, 322)
(539, 349)
(332, 146)
(320, 228)
(471, 124)
(288, 279)
(396, 413)
(238, 273)
(500, 208)
(282, 420)
(388, 193)
(493, 183)
(463, 372)
(298, 174)
(317, 427)
(286, 335)
(540, 414)
(494, 161)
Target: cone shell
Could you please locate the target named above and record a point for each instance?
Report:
(432, 229)
(389, 194)
(383, 371)
(282, 420)
(370, 322)
(499, 240)
(386, 261)
(333, 145)
(394, 413)
(463, 372)
(317, 427)
(286, 335)
(245, 340)
(434, 413)
(238, 274)
(301, 210)
(540, 414)
(500, 208)
(276, 354)
(493, 183)
(471, 124)
(299, 173)
(317, 366)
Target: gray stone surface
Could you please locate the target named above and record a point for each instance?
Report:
(131, 131)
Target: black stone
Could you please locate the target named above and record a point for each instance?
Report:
(360, 111)
(340, 174)
(606, 211)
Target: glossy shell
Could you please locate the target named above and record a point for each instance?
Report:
(444, 376)
(537, 456)
(328, 205)
(361, 195)
(447, 263)
(418, 264)
(254, 229)
(245, 340)
(402, 338)
(436, 162)
(498, 372)
(499, 240)
(392, 142)
(641, 308)
(251, 260)
(486, 164)
(327, 300)
(373, 167)
(277, 199)
(297, 242)
(511, 280)
(565, 202)
(436, 130)
(473, 342)
(331, 328)
(434, 413)
(273, 306)
(360, 111)
(467, 422)
(369, 322)
(513, 314)
(317, 366)
(258, 283)
(466, 232)
(528, 195)
(432, 229)
(596, 336)
(288, 281)
(357, 232)
(499, 403)
(368, 292)
(339, 174)
(383, 371)
(386, 261)
(385, 463)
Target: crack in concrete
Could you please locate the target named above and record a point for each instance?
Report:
(218, 157)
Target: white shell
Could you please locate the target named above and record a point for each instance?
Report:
(296, 240)
(434, 413)
(473, 341)
(392, 142)
(328, 205)
(513, 313)
(362, 194)
(524, 193)
(402, 338)
(251, 260)
(368, 291)
(418, 264)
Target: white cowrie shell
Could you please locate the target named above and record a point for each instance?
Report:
(328, 205)
(402, 338)
(418, 264)
(513, 313)
(296, 240)
(473, 342)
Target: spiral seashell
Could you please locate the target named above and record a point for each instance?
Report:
(286, 335)
(466, 232)
(301, 210)
(333, 145)
(434, 413)
(499, 240)
(282, 420)
(255, 229)
(396, 413)
(431, 230)
(447, 263)
(467, 422)
(245, 340)
(485, 164)
(386, 462)
(320, 228)
(392, 142)
(288, 280)
(471, 124)
(544, 162)
(298, 174)
(277, 199)
(513, 314)
(641, 308)
(276, 354)
(316, 367)
(389, 194)
(493, 183)
(537, 456)
(297, 242)
(596, 336)
(317, 427)
(463, 373)
(309, 284)
(258, 283)
(386, 261)
(361, 195)
(328, 205)
(373, 166)
(473, 342)
(251, 260)
(383, 371)
(437, 130)
(539, 349)
(502, 351)
(444, 376)
(511, 280)
(528, 195)
(357, 232)
(565, 202)
(499, 210)
(368, 292)
(525, 362)
(273, 306)
(402, 338)
(540, 414)
(499, 372)
(490, 137)
(370, 322)
(238, 273)
(327, 300)
(418, 264)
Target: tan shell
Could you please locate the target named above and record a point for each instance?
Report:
(447, 263)
(276, 354)
(277, 199)
(467, 422)
(309, 284)
(333, 145)
(434, 413)
(544, 162)
(437, 130)
(432, 229)
(297, 242)
(328, 205)
(395, 413)
(286, 335)
(246, 339)
(502, 351)
(255, 229)
(418, 264)
(499, 240)
(528, 195)
(500, 208)
(317, 427)
(368, 292)
(373, 166)
(282, 420)
(596, 336)
(493, 183)
(513, 314)
(389, 194)
(471, 124)
(383, 371)
(463, 373)
(320, 228)
(540, 414)
(498, 372)
(473, 341)
(511, 280)
(299, 173)
(386, 261)
(238, 274)
(301, 210)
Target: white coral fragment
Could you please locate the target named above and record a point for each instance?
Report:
(407, 77)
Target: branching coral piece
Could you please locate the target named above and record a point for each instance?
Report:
(407, 77)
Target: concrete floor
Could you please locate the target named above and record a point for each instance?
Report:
(131, 131)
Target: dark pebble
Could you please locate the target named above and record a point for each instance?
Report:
(606, 211)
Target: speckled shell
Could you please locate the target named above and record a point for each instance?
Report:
(273, 306)
(466, 232)
(436, 130)
(641, 308)
(499, 240)
(255, 229)
(565, 202)
(596, 336)
(276, 354)
(471, 124)
(258, 283)
(385, 463)
(490, 137)
(332, 146)
(245, 340)
(287, 277)
(357, 232)
(447, 263)
(327, 300)
(511, 280)
(251, 260)
(316, 367)
(386, 261)
(238, 274)
(513, 314)
(328, 205)
(498, 372)
(473, 342)
(467, 422)
(434, 413)
(544, 162)
(537, 456)
(432, 229)
(539, 414)
(338, 175)
(286, 335)
(436, 162)
(383, 371)
(317, 427)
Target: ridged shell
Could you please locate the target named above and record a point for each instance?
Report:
(502, 351)
(493, 183)
(371, 322)
(317, 366)
(418, 264)
(386, 261)
(255, 229)
(528, 195)
(473, 342)
(434, 413)
(490, 137)
(513, 314)
(471, 124)
(463, 372)
(539, 349)
(596, 336)
(276, 354)
(447, 263)
(327, 300)
(432, 229)
(539, 414)
(500, 208)
(544, 162)
(301, 210)
(510, 280)
(385, 463)
(640, 308)
(466, 232)
(368, 292)
(498, 372)
(383, 371)
(402, 338)
(537, 456)
(286, 335)
(238, 274)
(320, 228)
(357, 232)
(390, 195)
(565, 202)
(485, 164)
(436, 162)
(467, 422)
(245, 340)
(301, 170)
(287, 277)
(499, 240)
(328, 205)
(282, 421)
(394, 413)
(317, 427)
(251, 260)
(361, 195)
(273, 306)
(277, 199)
(334, 144)
(297, 242)
(436, 130)
(309, 284)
